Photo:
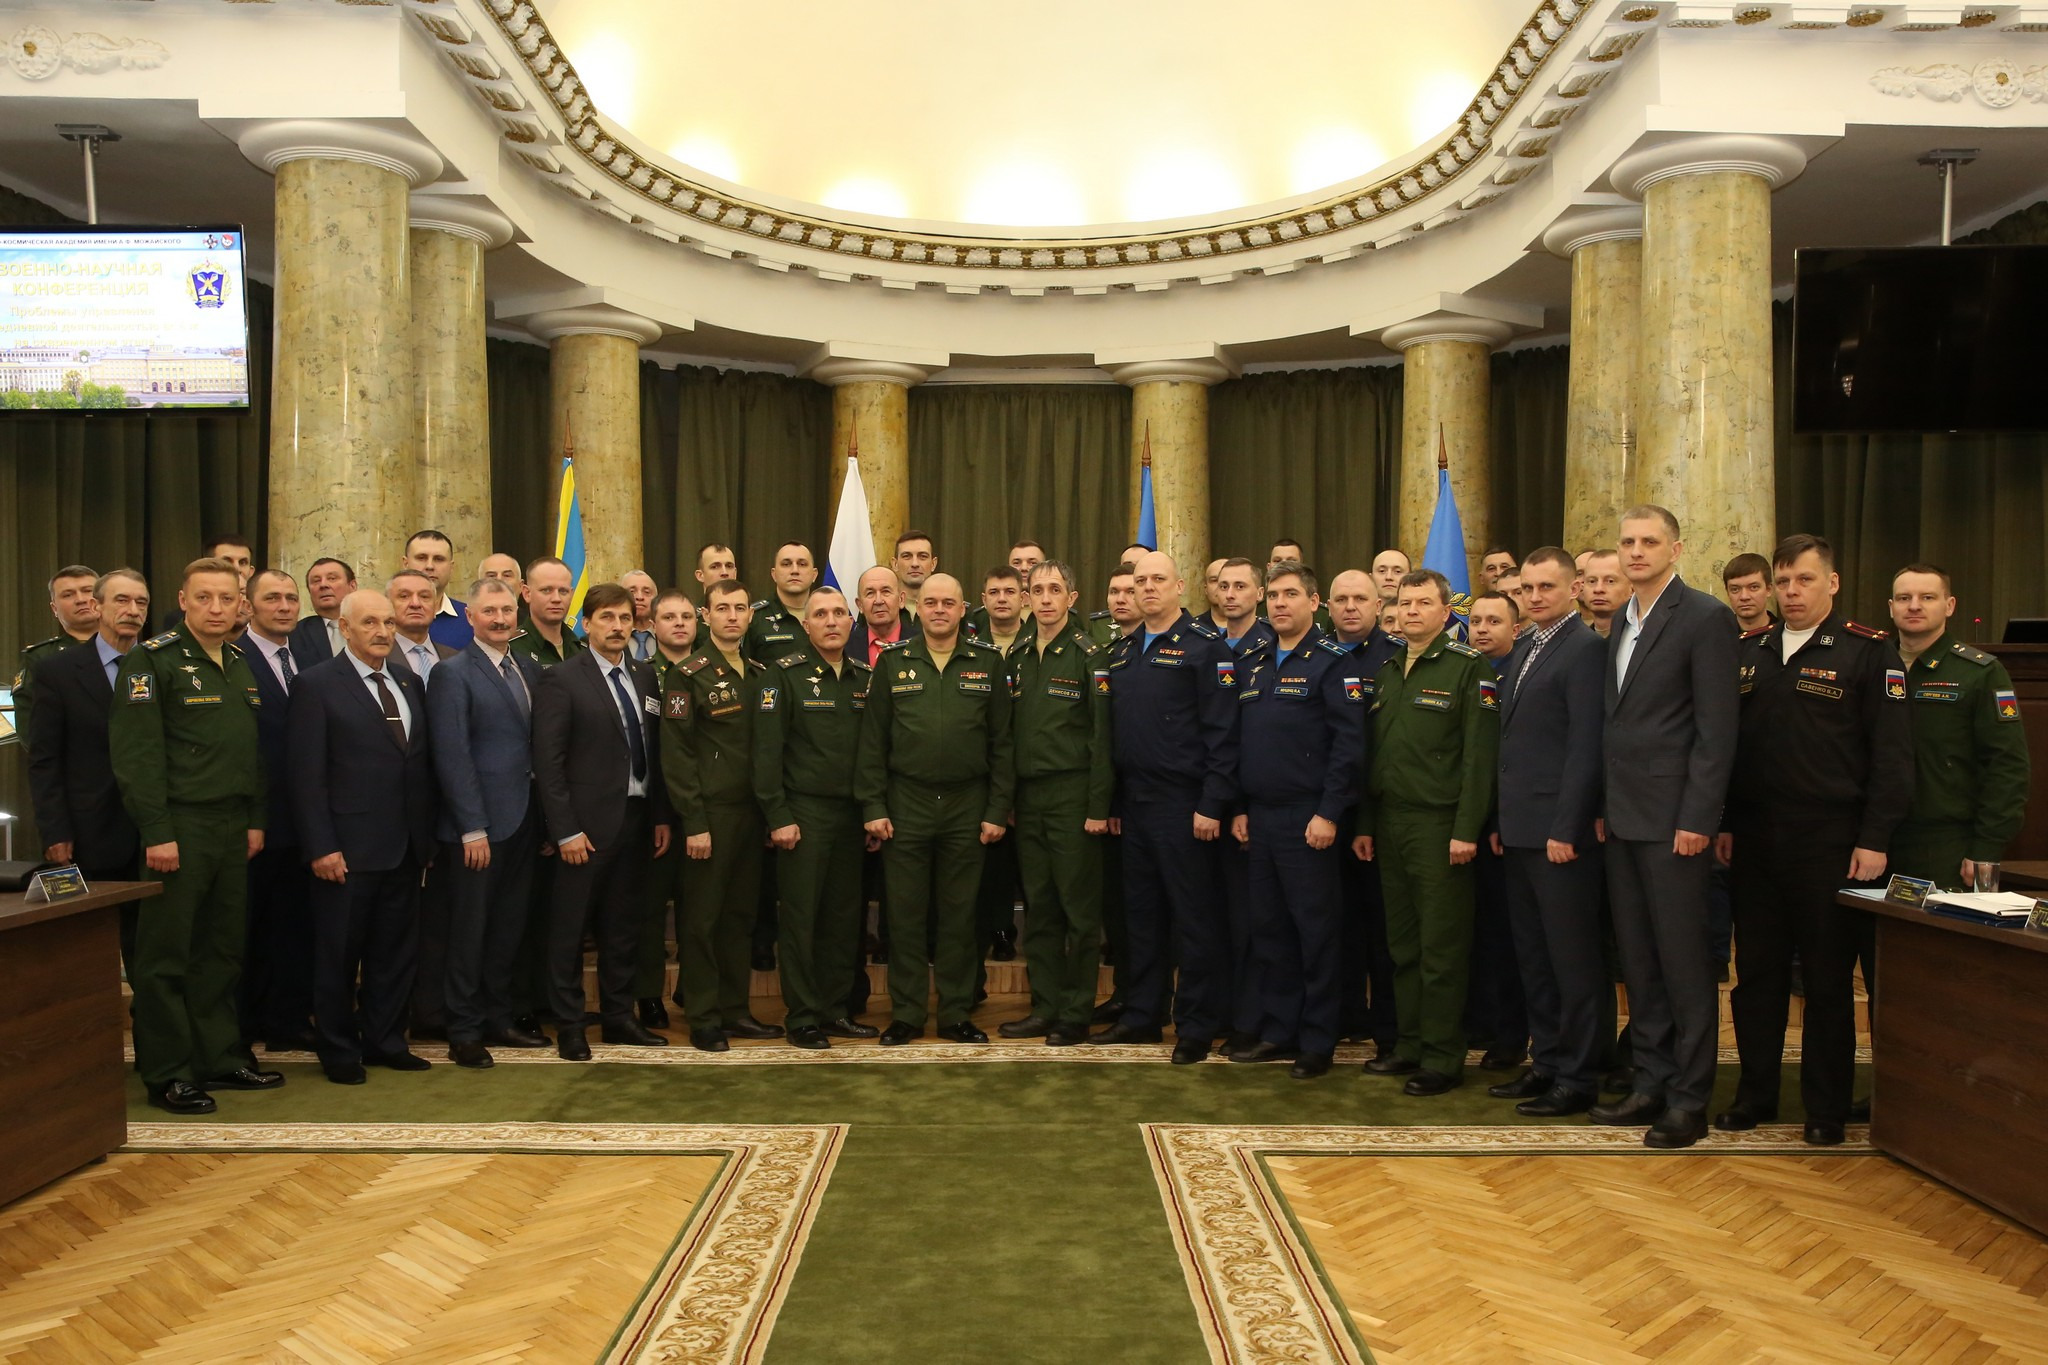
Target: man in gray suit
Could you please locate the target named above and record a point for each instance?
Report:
(480, 703)
(1672, 711)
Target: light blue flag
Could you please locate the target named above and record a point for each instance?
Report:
(569, 544)
(1445, 551)
(1148, 522)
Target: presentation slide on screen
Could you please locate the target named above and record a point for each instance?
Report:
(122, 319)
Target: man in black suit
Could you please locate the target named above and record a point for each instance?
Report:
(277, 961)
(317, 639)
(362, 778)
(1672, 712)
(1550, 727)
(883, 619)
(597, 762)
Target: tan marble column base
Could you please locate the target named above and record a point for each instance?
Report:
(1605, 247)
(1446, 404)
(871, 418)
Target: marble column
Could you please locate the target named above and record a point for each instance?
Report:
(451, 402)
(1706, 448)
(594, 373)
(1446, 404)
(1605, 247)
(1170, 416)
(343, 472)
(871, 419)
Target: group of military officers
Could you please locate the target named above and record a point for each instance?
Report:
(1285, 815)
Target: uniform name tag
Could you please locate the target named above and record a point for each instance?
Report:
(1424, 699)
(1290, 689)
(897, 689)
(967, 685)
(651, 706)
(202, 699)
(1174, 660)
(1936, 694)
(1064, 691)
(815, 704)
(1814, 689)
(732, 709)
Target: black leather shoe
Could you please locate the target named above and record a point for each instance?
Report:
(1823, 1134)
(1108, 1012)
(513, 1037)
(847, 1028)
(1676, 1128)
(529, 1023)
(810, 1037)
(653, 1014)
(1557, 1102)
(1263, 1051)
(1310, 1065)
(1426, 1082)
(244, 1078)
(1387, 1064)
(1121, 1033)
(764, 959)
(1503, 1058)
(1067, 1035)
(709, 1040)
(344, 1073)
(1620, 1081)
(1632, 1110)
(1030, 1026)
(428, 1033)
(1004, 949)
(631, 1034)
(1187, 1051)
(179, 1097)
(1740, 1117)
(1859, 1111)
(399, 1061)
(899, 1033)
(747, 1026)
(963, 1032)
(1238, 1042)
(571, 1045)
(475, 1056)
(293, 1042)
(1526, 1086)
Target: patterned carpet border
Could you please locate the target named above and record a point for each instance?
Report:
(714, 1299)
(1256, 1290)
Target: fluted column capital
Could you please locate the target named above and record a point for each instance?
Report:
(273, 143)
(470, 219)
(1585, 226)
(1776, 161)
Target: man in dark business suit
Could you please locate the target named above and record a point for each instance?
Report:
(277, 961)
(1550, 727)
(1672, 711)
(481, 706)
(597, 762)
(362, 778)
(317, 639)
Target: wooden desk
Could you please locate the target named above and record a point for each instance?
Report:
(1960, 1089)
(60, 1034)
(2029, 877)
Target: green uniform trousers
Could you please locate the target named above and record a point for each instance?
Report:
(664, 885)
(1429, 934)
(1931, 849)
(932, 869)
(1116, 937)
(1062, 869)
(715, 951)
(820, 927)
(188, 951)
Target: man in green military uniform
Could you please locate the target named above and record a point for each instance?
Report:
(1970, 764)
(78, 612)
(707, 760)
(674, 619)
(1060, 720)
(778, 625)
(1002, 623)
(934, 780)
(807, 719)
(1116, 620)
(1429, 784)
(547, 639)
(182, 736)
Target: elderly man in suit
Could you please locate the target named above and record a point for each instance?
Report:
(1672, 709)
(597, 762)
(317, 638)
(1550, 728)
(277, 968)
(481, 708)
(362, 777)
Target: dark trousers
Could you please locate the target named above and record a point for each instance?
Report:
(714, 952)
(1554, 912)
(1247, 989)
(1116, 939)
(873, 889)
(1784, 873)
(1495, 1011)
(933, 866)
(486, 919)
(995, 910)
(277, 962)
(603, 893)
(821, 920)
(1674, 1008)
(664, 890)
(1367, 977)
(1174, 914)
(437, 895)
(1062, 868)
(366, 928)
(1297, 900)
(531, 975)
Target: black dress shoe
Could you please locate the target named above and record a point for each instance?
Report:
(1387, 1064)
(1503, 1058)
(180, 1097)
(629, 1033)
(1108, 1012)
(1122, 1033)
(513, 1037)
(1188, 1051)
(1030, 1026)
(1676, 1128)
(1630, 1111)
(344, 1073)
(1239, 1042)
(1426, 1082)
(399, 1061)
(1740, 1117)
(1823, 1134)
(1859, 1111)
(963, 1032)
(810, 1037)
(571, 1045)
(1263, 1051)
(1557, 1102)
(709, 1040)
(653, 1014)
(1067, 1035)
(1619, 1081)
(1526, 1086)
(293, 1042)
(1004, 949)
(899, 1033)
(475, 1056)
(747, 1026)
(428, 1033)
(848, 1028)
(1310, 1065)
(244, 1078)
(528, 1023)
(764, 959)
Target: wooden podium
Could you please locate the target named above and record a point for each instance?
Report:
(61, 1018)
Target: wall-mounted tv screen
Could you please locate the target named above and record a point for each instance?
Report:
(1919, 339)
(96, 319)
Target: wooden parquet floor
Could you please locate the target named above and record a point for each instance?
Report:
(339, 1257)
(1798, 1259)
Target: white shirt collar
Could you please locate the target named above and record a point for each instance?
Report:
(449, 606)
(1636, 617)
(496, 656)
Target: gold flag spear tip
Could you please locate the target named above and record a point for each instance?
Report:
(1443, 454)
(1146, 457)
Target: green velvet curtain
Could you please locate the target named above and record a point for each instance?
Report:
(522, 519)
(1529, 389)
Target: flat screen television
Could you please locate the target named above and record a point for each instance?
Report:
(120, 319)
(1919, 339)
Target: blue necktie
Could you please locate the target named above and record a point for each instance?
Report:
(635, 741)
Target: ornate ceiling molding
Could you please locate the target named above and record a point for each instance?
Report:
(1998, 83)
(36, 53)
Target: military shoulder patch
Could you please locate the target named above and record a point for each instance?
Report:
(1971, 653)
(1460, 647)
(676, 706)
(141, 687)
(2008, 704)
(790, 660)
(768, 698)
(159, 641)
(1489, 694)
(1867, 632)
(1895, 684)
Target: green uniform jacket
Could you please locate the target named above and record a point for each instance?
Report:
(774, 632)
(806, 731)
(1103, 629)
(36, 652)
(183, 731)
(1970, 765)
(976, 628)
(1435, 737)
(707, 724)
(1059, 712)
(937, 728)
(529, 642)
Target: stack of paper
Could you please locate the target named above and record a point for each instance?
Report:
(1990, 907)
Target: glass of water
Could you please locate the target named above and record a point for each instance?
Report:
(1986, 876)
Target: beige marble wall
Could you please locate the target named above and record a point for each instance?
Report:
(875, 415)
(1706, 444)
(1447, 388)
(451, 401)
(343, 473)
(1604, 428)
(596, 410)
(1175, 413)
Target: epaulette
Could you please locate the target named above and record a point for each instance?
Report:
(1330, 644)
(519, 634)
(1204, 628)
(1752, 634)
(1460, 647)
(897, 644)
(1089, 649)
(159, 641)
(694, 665)
(979, 644)
(862, 664)
(1102, 615)
(790, 660)
(746, 663)
(229, 649)
(758, 605)
(43, 644)
(1867, 632)
(1972, 653)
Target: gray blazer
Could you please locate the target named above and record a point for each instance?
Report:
(1550, 739)
(1670, 740)
(483, 744)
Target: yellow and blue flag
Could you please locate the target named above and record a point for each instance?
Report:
(569, 544)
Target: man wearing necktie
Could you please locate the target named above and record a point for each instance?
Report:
(413, 596)
(317, 638)
(277, 966)
(598, 767)
(416, 597)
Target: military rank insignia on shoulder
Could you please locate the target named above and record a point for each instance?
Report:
(761, 605)
(1867, 632)
(1971, 653)
(1460, 647)
(1329, 645)
(1202, 627)
(1753, 634)
(694, 665)
(897, 644)
(790, 660)
(862, 664)
(1102, 615)
(159, 641)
